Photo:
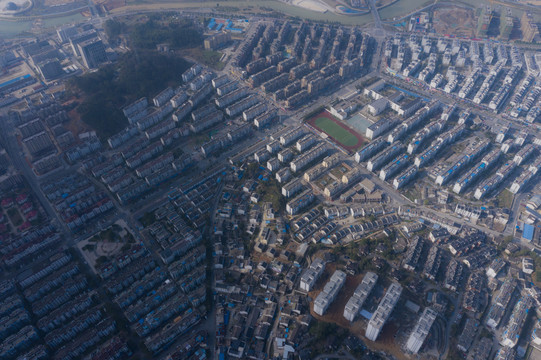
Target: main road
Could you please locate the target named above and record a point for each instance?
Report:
(9, 141)
(375, 15)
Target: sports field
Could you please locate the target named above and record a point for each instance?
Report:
(339, 132)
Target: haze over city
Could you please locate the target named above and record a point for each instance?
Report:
(270, 179)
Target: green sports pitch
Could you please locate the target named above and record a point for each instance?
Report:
(337, 131)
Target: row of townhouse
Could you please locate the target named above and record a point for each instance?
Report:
(154, 165)
(133, 191)
(113, 349)
(144, 154)
(65, 313)
(88, 339)
(15, 343)
(150, 301)
(157, 342)
(88, 147)
(29, 237)
(55, 279)
(160, 129)
(124, 277)
(163, 313)
(64, 334)
(30, 249)
(55, 299)
(139, 288)
(51, 264)
(122, 259)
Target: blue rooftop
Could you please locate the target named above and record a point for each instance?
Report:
(9, 82)
(528, 232)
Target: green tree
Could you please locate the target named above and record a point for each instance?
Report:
(322, 330)
(136, 74)
(113, 29)
(179, 35)
(101, 260)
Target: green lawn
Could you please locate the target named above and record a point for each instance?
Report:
(15, 216)
(336, 131)
(210, 58)
(505, 199)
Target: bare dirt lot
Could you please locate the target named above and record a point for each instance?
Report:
(334, 314)
(454, 20)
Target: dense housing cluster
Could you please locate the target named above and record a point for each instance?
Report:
(322, 180)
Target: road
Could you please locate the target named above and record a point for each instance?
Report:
(400, 199)
(9, 141)
(271, 336)
(489, 118)
(159, 197)
(154, 200)
(210, 324)
(518, 199)
(462, 222)
(389, 190)
(377, 19)
(124, 214)
(334, 356)
(449, 323)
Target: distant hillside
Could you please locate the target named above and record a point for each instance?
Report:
(136, 74)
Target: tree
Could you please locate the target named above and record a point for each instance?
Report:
(113, 29)
(101, 260)
(251, 170)
(351, 251)
(112, 87)
(180, 34)
(89, 247)
(322, 330)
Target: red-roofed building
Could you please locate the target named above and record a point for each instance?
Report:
(21, 198)
(26, 207)
(25, 226)
(7, 203)
(32, 215)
